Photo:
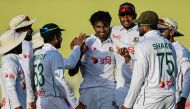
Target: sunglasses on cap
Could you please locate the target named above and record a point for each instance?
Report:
(126, 10)
(44, 30)
(163, 29)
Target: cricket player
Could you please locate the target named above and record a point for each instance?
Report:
(125, 35)
(97, 90)
(153, 79)
(22, 23)
(168, 27)
(51, 88)
(12, 77)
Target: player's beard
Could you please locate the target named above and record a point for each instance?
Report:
(58, 46)
(141, 32)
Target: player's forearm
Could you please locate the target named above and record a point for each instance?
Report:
(70, 96)
(133, 93)
(75, 70)
(28, 81)
(73, 58)
(64, 87)
(138, 77)
(10, 87)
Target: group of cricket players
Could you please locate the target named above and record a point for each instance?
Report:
(135, 65)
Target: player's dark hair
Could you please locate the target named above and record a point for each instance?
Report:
(100, 16)
(48, 37)
(153, 27)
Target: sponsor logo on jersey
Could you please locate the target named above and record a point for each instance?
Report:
(12, 76)
(118, 37)
(26, 56)
(106, 60)
(102, 60)
(131, 49)
(40, 92)
(168, 83)
(94, 60)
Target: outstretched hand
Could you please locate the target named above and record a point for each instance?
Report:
(80, 40)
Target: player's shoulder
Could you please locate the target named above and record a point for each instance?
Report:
(10, 61)
(117, 27)
(53, 55)
(179, 47)
(181, 50)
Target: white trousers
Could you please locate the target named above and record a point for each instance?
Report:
(167, 103)
(51, 103)
(98, 98)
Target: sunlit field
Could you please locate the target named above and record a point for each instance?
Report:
(73, 16)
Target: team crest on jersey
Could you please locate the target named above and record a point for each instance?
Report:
(136, 39)
(116, 37)
(111, 49)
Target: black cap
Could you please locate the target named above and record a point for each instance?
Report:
(127, 9)
(49, 28)
(147, 18)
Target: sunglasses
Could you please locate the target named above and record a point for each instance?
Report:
(44, 30)
(126, 10)
(163, 29)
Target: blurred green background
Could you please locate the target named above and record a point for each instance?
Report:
(73, 15)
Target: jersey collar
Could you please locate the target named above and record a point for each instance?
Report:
(151, 33)
(48, 46)
(131, 29)
(175, 43)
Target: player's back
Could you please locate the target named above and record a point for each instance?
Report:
(44, 77)
(160, 70)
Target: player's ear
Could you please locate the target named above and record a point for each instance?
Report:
(146, 27)
(172, 32)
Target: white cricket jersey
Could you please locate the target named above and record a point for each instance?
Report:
(49, 67)
(183, 77)
(124, 38)
(154, 71)
(27, 65)
(97, 64)
(13, 83)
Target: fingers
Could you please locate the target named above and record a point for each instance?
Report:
(72, 43)
(82, 36)
(123, 51)
(80, 40)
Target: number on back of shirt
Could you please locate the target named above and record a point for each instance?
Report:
(166, 62)
(38, 76)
